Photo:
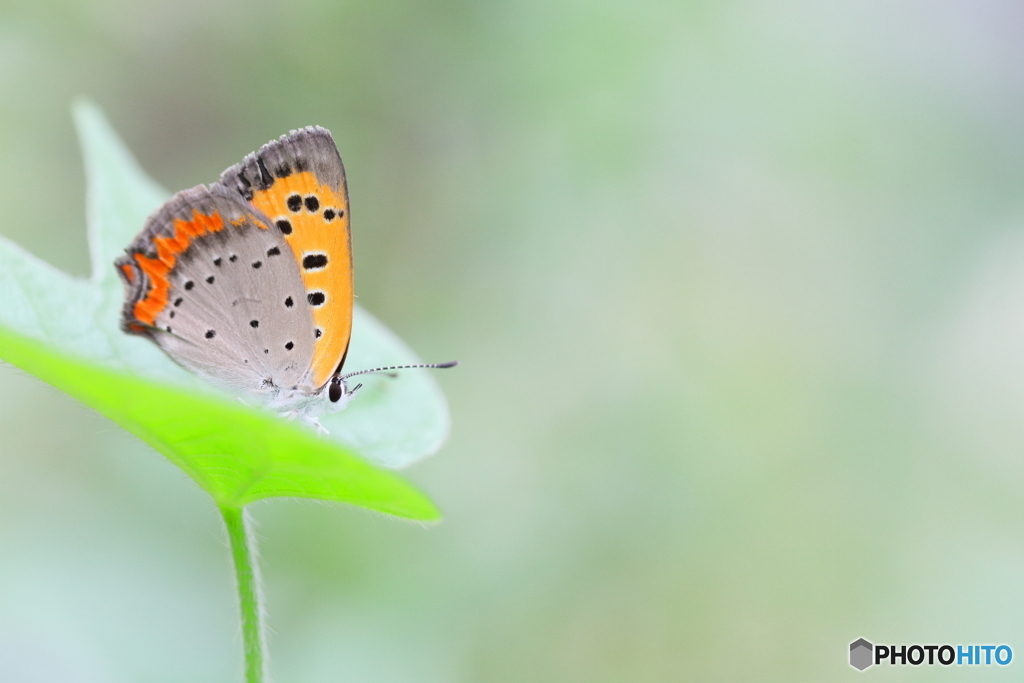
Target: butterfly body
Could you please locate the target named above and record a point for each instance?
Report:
(248, 282)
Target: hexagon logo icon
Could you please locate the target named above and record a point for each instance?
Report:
(860, 654)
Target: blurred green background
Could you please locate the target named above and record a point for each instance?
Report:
(738, 289)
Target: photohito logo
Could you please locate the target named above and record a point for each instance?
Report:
(863, 654)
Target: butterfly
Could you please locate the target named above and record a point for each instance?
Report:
(248, 282)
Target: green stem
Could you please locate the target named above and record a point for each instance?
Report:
(243, 552)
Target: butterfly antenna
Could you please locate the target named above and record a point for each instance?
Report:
(450, 364)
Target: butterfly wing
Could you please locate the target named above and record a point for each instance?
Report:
(298, 182)
(214, 284)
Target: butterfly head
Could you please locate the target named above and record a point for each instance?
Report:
(302, 400)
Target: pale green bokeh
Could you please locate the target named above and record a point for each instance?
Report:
(738, 289)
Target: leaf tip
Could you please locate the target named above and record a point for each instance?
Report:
(88, 117)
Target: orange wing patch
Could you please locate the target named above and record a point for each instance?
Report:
(167, 249)
(314, 221)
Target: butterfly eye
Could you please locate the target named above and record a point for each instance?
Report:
(334, 392)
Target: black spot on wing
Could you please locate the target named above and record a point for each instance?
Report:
(273, 251)
(312, 203)
(244, 186)
(254, 323)
(284, 226)
(257, 264)
(316, 298)
(210, 334)
(294, 203)
(288, 302)
(314, 261)
(265, 178)
(189, 285)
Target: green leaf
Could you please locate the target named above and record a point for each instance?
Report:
(65, 331)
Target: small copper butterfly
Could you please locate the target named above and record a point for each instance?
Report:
(248, 282)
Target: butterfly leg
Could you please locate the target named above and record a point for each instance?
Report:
(313, 422)
(290, 415)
